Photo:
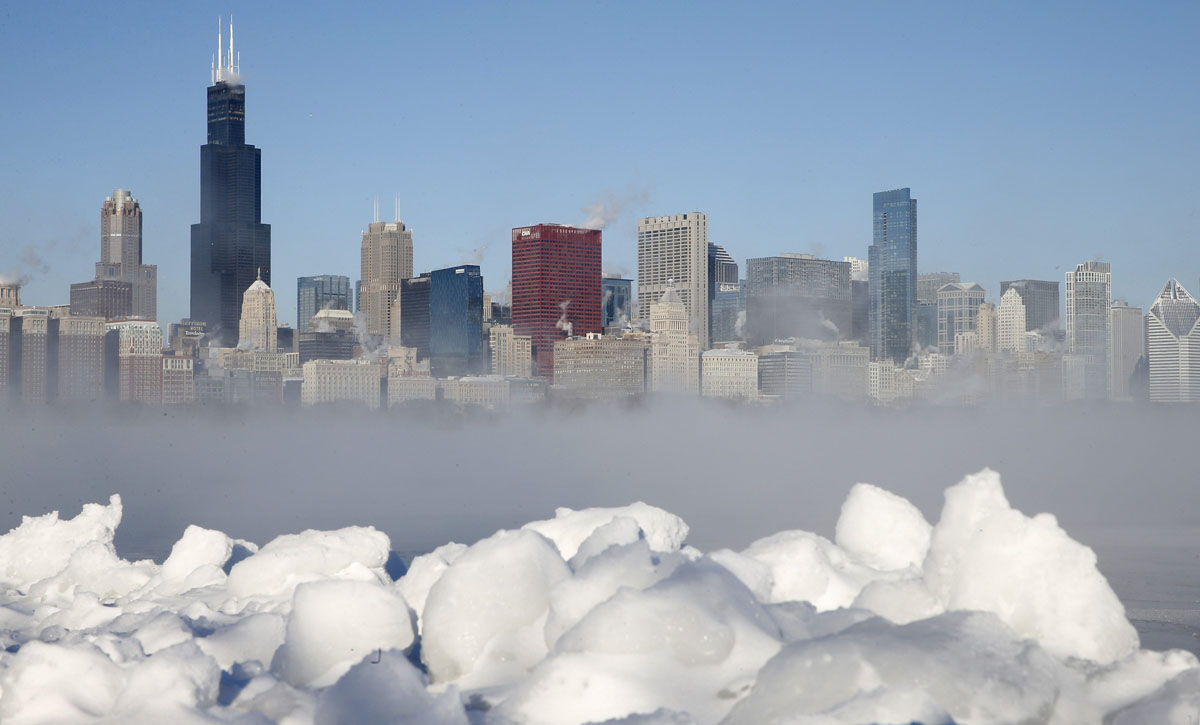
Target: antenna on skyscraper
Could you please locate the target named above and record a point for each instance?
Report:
(231, 42)
(397, 208)
(220, 50)
(376, 217)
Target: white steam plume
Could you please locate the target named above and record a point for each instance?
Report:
(609, 207)
(563, 323)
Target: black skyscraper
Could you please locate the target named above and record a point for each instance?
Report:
(230, 244)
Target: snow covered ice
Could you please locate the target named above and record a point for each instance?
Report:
(598, 615)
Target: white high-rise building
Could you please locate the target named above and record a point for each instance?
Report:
(1127, 347)
(958, 311)
(674, 351)
(1173, 343)
(729, 374)
(258, 328)
(1010, 323)
(985, 328)
(387, 258)
(1089, 293)
(333, 381)
(673, 251)
(139, 362)
(512, 354)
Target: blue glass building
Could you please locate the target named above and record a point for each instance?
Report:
(325, 291)
(455, 321)
(892, 266)
(616, 300)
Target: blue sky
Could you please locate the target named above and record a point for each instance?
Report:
(1035, 137)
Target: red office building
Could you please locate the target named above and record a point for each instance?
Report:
(555, 287)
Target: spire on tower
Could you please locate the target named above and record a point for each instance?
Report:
(227, 63)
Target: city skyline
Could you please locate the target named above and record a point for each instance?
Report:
(1147, 240)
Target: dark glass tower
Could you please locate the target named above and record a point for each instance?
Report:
(892, 267)
(230, 244)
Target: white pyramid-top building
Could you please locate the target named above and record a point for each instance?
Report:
(1173, 342)
(258, 329)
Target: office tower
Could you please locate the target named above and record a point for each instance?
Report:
(673, 250)
(178, 380)
(324, 291)
(929, 283)
(860, 298)
(258, 327)
(331, 336)
(599, 366)
(29, 355)
(6, 345)
(887, 383)
(958, 310)
(1011, 332)
(387, 258)
(512, 354)
(414, 314)
(230, 244)
(797, 296)
(135, 346)
(186, 337)
(840, 370)
(1126, 350)
(616, 297)
(785, 374)
(342, 381)
(10, 296)
(121, 253)
(79, 363)
(285, 339)
(927, 325)
(724, 294)
(1173, 344)
(729, 373)
(556, 288)
(985, 327)
(456, 321)
(1041, 302)
(1089, 293)
(892, 266)
(674, 351)
(111, 299)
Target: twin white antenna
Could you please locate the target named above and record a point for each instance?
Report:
(226, 66)
(376, 215)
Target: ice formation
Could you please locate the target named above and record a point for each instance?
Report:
(598, 615)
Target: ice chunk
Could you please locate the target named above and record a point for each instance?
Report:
(196, 559)
(621, 530)
(423, 573)
(568, 529)
(336, 624)
(809, 568)
(986, 556)
(493, 599)
(252, 638)
(692, 642)
(356, 552)
(966, 664)
(42, 545)
(387, 691)
(883, 530)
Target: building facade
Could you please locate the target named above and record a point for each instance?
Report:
(556, 287)
(387, 258)
(111, 299)
(258, 328)
(616, 306)
(1126, 351)
(336, 381)
(1173, 346)
(230, 244)
(138, 348)
(929, 283)
(673, 252)
(958, 310)
(797, 295)
(1011, 332)
(600, 366)
(29, 355)
(1089, 295)
(674, 350)
(512, 354)
(456, 321)
(121, 253)
(79, 343)
(1041, 301)
(324, 291)
(726, 296)
(892, 267)
(729, 373)
(178, 380)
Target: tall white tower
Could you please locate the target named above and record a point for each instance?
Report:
(1089, 294)
(673, 251)
(1127, 347)
(1010, 323)
(258, 329)
(1173, 343)
(387, 258)
(674, 351)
